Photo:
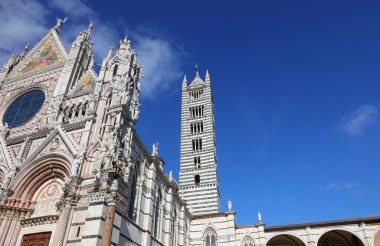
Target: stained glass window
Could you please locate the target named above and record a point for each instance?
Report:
(24, 108)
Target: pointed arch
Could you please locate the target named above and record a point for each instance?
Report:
(248, 241)
(210, 237)
(115, 68)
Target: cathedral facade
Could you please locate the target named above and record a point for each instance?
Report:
(73, 170)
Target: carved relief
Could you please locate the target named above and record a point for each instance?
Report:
(46, 199)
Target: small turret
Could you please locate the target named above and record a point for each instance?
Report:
(125, 48)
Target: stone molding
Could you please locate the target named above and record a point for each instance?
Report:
(51, 219)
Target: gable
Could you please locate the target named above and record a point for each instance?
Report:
(48, 52)
(56, 142)
(47, 56)
(86, 85)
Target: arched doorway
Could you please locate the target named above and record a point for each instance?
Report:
(377, 238)
(339, 238)
(285, 240)
(37, 188)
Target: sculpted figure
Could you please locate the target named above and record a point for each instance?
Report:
(75, 165)
(155, 149)
(11, 172)
(102, 155)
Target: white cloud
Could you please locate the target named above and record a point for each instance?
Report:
(350, 186)
(73, 8)
(160, 64)
(21, 21)
(360, 119)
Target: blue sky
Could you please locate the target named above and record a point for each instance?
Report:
(296, 91)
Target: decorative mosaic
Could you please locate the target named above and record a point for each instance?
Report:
(46, 57)
(85, 86)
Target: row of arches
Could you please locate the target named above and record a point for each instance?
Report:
(330, 238)
(73, 112)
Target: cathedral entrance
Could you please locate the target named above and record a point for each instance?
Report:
(285, 240)
(339, 237)
(38, 239)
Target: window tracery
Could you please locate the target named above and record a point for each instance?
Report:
(210, 237)
(248, 241)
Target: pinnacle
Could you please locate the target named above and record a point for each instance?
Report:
(197, 75)
(207, 78)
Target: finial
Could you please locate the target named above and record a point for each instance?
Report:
(88, 31)
(184, 79)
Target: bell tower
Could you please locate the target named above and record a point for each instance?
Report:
(198, 179)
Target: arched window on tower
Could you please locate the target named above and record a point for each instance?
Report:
(210, 237)
(115, 70)
(197, 180)
(156, 217)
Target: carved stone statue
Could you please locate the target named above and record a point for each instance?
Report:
(11, 172)
(155, 149)
(76, 164)
(102, 155)
(57, 26)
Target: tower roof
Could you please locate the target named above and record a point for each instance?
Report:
(197, 80)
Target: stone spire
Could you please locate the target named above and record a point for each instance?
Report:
(184, 82)
(87, 32)
(207, 78)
